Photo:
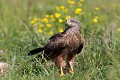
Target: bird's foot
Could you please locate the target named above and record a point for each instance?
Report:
(62, 74)
(72, 72)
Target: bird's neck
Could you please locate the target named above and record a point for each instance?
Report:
(71, 29)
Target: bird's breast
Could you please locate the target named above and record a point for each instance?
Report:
(73, 41)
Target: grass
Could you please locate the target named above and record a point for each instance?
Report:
(99, 59)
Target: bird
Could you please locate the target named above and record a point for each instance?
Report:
(64, 46)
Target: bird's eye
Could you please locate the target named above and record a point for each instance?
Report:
(72, 21)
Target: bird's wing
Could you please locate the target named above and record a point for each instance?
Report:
(80, 46)
(56, 42)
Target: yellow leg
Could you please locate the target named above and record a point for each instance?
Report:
(71, 67)
(61, 72)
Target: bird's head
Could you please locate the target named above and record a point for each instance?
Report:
(72, 22)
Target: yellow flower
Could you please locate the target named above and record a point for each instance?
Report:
(41, 26)
(81, 0)
(119, 29)
(57, 8)
(71, 2)
(95, 20)
(60, 20)
(67, 17)
(65, 10)
(32, 22)
(51, 16)
(48, 25)
(57, 15)
(96, 17)
(62, 7)
(60, 29)
(50, 33)
(40, 30)
(97, 8)
(78, 10)
(45, 20)
(35, 19)
(47, 16)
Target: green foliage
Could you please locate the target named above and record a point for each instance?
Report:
(100, 20)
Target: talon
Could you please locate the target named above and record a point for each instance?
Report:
(72, 72)
(62, 74)
(71, 68)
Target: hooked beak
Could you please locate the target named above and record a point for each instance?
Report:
(67, 23)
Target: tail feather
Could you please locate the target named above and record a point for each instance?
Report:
(35, 51)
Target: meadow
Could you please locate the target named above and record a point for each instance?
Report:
(28, 24)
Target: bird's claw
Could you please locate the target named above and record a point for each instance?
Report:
(72, 72)
(62, 74)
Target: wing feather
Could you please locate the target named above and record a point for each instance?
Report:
(80, 46)
(56, 42)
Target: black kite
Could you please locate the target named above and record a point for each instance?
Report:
(64, 45)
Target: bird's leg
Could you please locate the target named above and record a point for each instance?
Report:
(59, 65)
(61, 71)
(71, 67)
(70, 64)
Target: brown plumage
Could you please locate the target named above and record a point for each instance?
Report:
(64, 45)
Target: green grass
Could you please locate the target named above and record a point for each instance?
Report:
(99, 59)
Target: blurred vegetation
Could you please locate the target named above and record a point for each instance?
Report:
(27, 24)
